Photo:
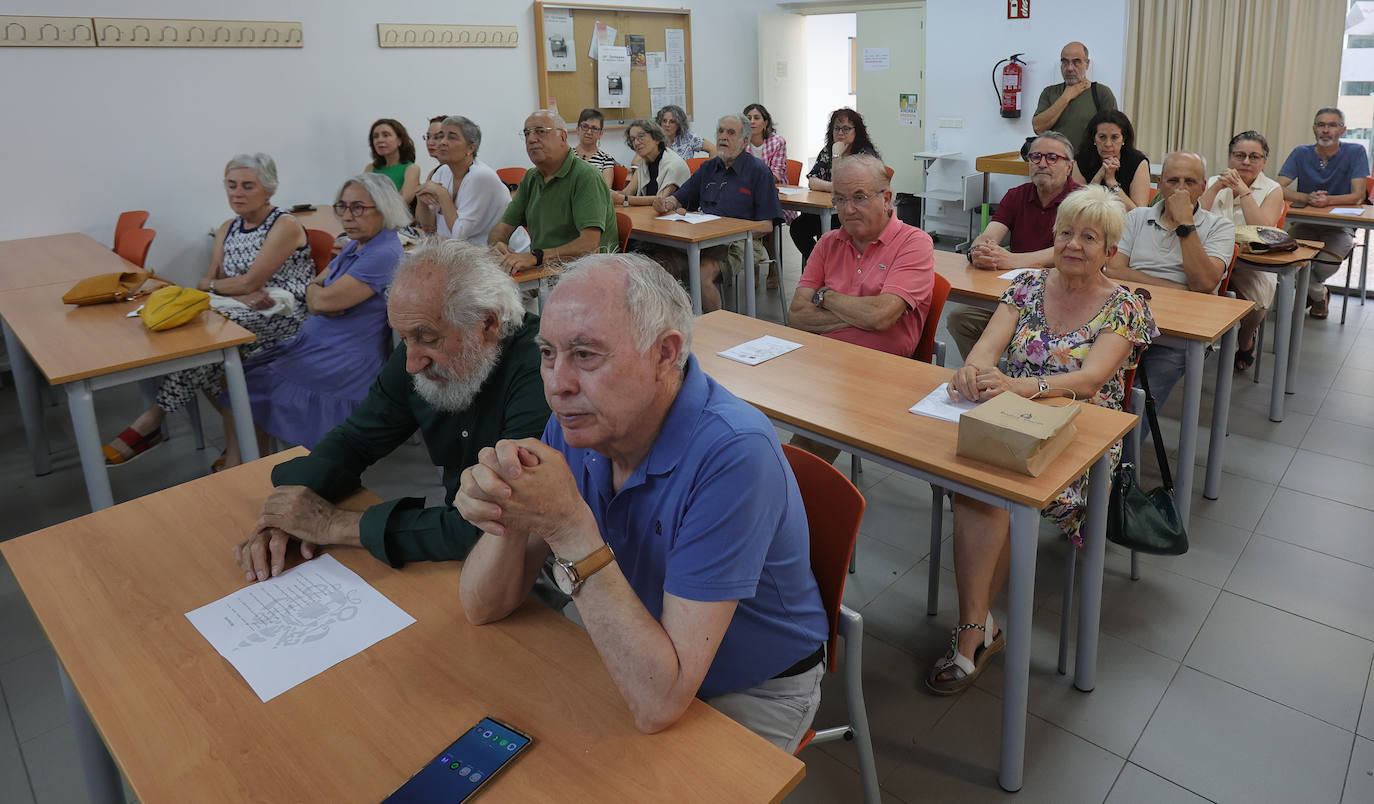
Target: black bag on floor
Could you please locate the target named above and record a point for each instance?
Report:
(1146, 521)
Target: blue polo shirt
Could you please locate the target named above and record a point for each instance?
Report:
(743, 190)
(1303, 164)
(713, 513)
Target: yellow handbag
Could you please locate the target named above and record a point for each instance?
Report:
(173, 306)
(105, 288)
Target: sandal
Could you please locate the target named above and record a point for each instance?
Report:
(1245, 358)
(959, 671)
(136, 441)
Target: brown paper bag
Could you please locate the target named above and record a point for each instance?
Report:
(1015, 433)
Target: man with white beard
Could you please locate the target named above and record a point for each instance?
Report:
(466, 374)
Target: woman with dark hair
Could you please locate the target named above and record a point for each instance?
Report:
(845, 134)
(432, 137)
(765, 142)
(393, 156)
(678, 133)
(1108, 156)
(590, 124)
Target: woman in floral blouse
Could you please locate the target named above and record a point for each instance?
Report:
(1067, 327)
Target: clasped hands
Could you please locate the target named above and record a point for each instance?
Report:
(989, 257)
(521, 487)
(978, 384)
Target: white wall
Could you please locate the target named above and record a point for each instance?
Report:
(90, 132)
(828, 67)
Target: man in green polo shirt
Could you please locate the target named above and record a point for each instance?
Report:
(466, 374)
(562, 201)
(1068, 107)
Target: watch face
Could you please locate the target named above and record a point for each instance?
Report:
(563, 578)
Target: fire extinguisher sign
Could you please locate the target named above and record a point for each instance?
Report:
(1018, 9)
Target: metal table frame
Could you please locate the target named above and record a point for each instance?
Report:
(693, 250)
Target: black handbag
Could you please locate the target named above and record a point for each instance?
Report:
(1146, 521)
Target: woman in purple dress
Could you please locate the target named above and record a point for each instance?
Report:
(302, 388)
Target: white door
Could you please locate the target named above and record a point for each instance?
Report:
(782, 73)
(890, 51)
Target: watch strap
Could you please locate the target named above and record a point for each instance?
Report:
(592, 563)
(538, 256)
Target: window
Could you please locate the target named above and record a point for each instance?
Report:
(1359, 41)
(1357, 87)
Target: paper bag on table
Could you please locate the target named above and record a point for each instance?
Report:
(1015, 433)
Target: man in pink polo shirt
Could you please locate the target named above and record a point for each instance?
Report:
(868, 282)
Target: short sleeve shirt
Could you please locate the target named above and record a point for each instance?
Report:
(713, 513)
(1031, 224)
(1073, 123)
(1156, 251)
(1303, 165)
(901, 262)
(555, 212)
(744, 190)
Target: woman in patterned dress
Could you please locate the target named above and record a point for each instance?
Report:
(260, 249)
(1067, 327)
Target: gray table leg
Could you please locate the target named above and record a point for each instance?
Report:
(1187, 435)
(1020, 600)
(103, 785)
(30, 404)
(694, 276)
(238, 399)
(937, 529)
(1283, 332)
(1094, 561)
(825, 222)
(1364, 265)
(1299, 314)
(81, 402)
(1221, 412)
(750, 267)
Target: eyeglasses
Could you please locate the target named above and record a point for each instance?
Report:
(638, 137)
(1035, 158)
(858, 200)
(1241, 156)
(590, 129)
(356, 208)
(451, 136)
(842, 129)
(1328, 125)
(538, 131)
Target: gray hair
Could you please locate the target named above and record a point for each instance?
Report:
(477, 285)
(651, 128)
(654, 301)
(1057, 137)
(863, 161)
(260, 164)
(678, 115)
(743, 124)
(557, 118)
(395, 214)
(471, 131)
(1329, 110)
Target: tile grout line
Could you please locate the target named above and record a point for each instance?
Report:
(18, 746)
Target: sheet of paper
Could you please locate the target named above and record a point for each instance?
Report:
(677, 84)
(1015, 272)
(285, 630)
(1347, 211)
(752, 353)
(658, 98)
(602, 34)
(906, 109)
(938, 405)
(654, 73)
(558, 41)
(877, 59)
(613, 84)
(690, 217)
(793, 190)
(675, 45)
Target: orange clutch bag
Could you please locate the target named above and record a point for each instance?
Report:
(106, 288)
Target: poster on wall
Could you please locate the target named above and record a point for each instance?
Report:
(613, 81)
(906, 109)
(877, 59)
(558, 41)
(602, 34)
(636, 44)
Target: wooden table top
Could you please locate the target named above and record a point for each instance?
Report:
(70, 343)
(321, 217)
(812, 199)
(646, 220)
(1365, 218)
(55, 259)
(111, 590)
(1183, 313)
(1009, 163)
(864, 400)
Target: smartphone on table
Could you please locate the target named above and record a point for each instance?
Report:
(465, 767)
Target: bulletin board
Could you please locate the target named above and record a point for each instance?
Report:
(571, 92)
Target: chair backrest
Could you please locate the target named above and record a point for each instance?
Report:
(890, 172)
(925, 349)
(624, 226)
(696, 162)
(133, 246)
(1226, 277)
(321, 248)
(512, 176)
(1283, 216)
(794, 171)
(620, 176)
(834, 509)
(127, 221)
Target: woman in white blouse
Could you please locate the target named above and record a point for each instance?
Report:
(464, 198)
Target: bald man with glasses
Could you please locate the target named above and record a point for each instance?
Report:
(1068, 107)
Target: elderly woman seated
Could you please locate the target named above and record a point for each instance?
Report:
(677, 131)
(656, 169)
(464, 197)
(301, 389)
(1068, 327)
(261, 259)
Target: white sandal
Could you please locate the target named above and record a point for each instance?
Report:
(964, 670)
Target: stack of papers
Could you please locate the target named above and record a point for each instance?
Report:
(793, 190)
(1356, 211)
(752, 353)
(1015, 272)
(938, 404)
(689, 217)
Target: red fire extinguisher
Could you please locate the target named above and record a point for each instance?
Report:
(1008, 89)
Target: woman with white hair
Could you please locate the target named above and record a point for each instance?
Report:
(260, 249)
(302, 388)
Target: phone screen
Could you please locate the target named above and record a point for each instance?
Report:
(457, 773)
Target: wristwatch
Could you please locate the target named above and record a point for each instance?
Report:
(1044, 384)
(212, 286)
(1184, 229)
(538, 256)
(571, 575)
(818, 298)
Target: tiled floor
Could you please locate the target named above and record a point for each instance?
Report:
(1238, 672)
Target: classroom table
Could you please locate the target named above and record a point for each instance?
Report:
(1323, 216)
(692, 238)
(861, 406)
(1293, 270)
(815, 202)
(1185, 319)
(89, 348)
(55, 259)
(111, 590)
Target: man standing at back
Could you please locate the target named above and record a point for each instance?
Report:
(1068, 107)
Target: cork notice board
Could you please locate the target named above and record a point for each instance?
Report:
(576, 90)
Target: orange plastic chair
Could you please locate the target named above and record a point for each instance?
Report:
(321, 248)
(1283, 216)
(834, 509)
(133, 246)
(512, 176)
(624, 226)
(794, 172)
(1226, 277)
(928, 350)
(695, 162)
(127, 222)
(620, 176)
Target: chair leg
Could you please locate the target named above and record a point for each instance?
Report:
(855, 469)
(937, 526)
(852, 629)
(1066, 612)
(1259, 350)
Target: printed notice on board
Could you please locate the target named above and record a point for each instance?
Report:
(602, 34)
(675, 46)
(654, 72)
(613, 85)
(635, 43)
(558, 41)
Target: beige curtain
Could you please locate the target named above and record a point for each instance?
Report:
(1199, 71)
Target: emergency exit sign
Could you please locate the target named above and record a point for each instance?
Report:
(1018, 9)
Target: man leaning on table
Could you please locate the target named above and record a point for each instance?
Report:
(563, 202)
(466, 373)
(1026, 215)
(732, 184)
(1068, 107)
(669, 508)
(1327, 174)
(1177, 244)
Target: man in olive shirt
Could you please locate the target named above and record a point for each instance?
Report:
(1068, 107)
(466, 374)
(563, 202)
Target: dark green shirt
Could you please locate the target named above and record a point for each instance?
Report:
(510, 405)
(555, 212)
